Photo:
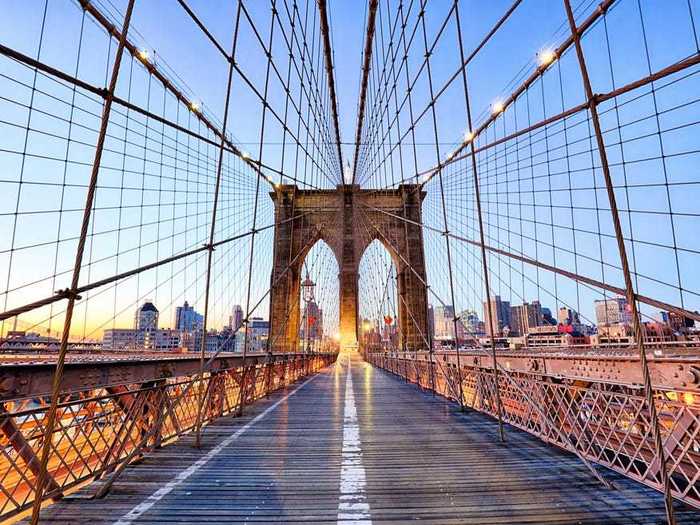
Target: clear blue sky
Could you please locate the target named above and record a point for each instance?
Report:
(162, 28)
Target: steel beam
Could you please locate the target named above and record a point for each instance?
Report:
(667, 373)
(29, 380)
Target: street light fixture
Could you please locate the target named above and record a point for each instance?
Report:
(307, 293)
(546, 57)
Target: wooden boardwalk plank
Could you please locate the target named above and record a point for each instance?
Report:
(408, 456)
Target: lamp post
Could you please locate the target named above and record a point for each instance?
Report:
(307, 291)
(365, 332)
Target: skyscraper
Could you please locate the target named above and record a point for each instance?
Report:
(500, 310)
(445, 324)
(616, 311)
(146, 317)
(187, 319)
(567, 316)
(313, 320)
(525, 316)
(236, 319)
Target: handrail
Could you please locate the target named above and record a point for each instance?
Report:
(602, 421)
(103, 425)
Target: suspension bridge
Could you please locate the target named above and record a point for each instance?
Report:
(350, 262)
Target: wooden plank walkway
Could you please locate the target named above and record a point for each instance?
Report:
(369, 449)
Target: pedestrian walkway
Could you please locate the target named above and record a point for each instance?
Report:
(357, 445)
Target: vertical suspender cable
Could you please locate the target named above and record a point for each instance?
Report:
(484, 258)
(212, 229)
(629, 287)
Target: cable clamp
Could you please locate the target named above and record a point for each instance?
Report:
(67, 293)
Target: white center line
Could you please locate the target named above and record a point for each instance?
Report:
(166, 489)
(353, 507)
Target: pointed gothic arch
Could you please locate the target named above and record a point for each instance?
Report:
(378, 300)
(320, 263)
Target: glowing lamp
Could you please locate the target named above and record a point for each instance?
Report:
(546, 57)
(143, 55)
(307, 289)
(497, 107)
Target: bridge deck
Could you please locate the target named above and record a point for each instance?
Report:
(302, 456)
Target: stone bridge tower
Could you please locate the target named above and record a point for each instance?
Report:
(348, 219)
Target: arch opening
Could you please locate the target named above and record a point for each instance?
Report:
(318, 299)
(379, 326)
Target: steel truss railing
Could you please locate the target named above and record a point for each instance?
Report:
(604, 423)
(99, 431)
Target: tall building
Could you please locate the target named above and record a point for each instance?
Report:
(187, 319)
(444, 327)
(471, 322)
(258, 332)
(567, 316)
(145, 335)
(236, 319)
(547, 318)
(610, 312)
(146, 317)
(445, 324)
(524, 317)
(500, 310)
(313, 321)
